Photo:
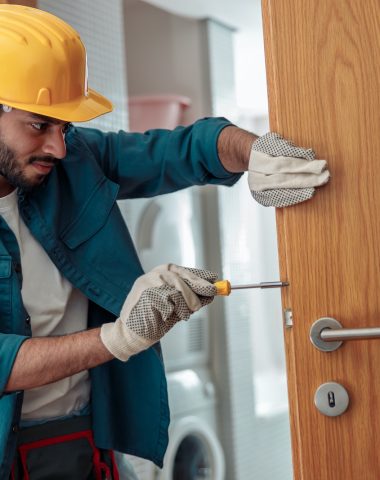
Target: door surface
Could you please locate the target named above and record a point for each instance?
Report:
(323, 68)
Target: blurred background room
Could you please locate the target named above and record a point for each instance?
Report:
(169, 62)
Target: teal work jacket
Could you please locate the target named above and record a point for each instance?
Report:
(75, 217)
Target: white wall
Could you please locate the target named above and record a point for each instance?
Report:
(166, 54)
(237, 13)
(244, 16)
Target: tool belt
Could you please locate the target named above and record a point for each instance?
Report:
(62, 450)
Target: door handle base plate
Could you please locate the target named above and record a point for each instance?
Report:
(315, 334)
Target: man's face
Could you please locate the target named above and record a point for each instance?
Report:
(30, 146)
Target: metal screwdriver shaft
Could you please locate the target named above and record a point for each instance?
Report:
(224, 287)
(261, 285)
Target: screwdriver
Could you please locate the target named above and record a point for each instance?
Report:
(224, 287)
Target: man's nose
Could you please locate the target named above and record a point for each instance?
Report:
(55, 143)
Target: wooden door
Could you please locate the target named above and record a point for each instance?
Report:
(323, 69)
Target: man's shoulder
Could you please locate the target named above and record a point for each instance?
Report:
(85, 143)
(84, 135)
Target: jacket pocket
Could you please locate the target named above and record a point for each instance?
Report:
(6, 320)
(5, 266)
(93, 215)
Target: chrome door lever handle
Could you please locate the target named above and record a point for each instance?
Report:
(327, 334)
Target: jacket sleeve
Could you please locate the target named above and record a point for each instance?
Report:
(9, 347)
(160, 161)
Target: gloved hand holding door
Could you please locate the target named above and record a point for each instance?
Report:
(281, 174)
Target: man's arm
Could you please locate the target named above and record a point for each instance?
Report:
(142, 323)
(234, 148)
(156, 162)
(45, 360)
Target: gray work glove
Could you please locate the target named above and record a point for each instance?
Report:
(281, 174)
(157, 301)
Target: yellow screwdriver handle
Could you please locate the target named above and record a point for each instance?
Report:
(223, 287)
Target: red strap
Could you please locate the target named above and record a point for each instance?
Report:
(105, 468)
(25, 448)
(115, 471)
(99, 466)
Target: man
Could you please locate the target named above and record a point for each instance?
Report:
(81, 374)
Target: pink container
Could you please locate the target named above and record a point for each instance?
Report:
(156, 111)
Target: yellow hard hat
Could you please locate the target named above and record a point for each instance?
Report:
(43, 67)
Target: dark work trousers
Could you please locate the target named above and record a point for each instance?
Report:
(62, 450)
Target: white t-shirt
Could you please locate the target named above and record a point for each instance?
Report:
(55, 308)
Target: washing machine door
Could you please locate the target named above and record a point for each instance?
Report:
(194, 452)
(193, 460)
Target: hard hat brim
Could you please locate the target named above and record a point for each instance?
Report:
(82, 110)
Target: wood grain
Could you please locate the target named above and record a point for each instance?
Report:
(323, 75)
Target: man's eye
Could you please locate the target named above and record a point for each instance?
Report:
(39, 126)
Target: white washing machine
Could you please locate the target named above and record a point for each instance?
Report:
(194, 451)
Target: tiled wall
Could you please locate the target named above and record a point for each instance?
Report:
(102, 32)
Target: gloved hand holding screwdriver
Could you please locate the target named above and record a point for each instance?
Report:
(158, 300)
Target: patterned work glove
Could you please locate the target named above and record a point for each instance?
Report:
(158, 300)
(281, 174)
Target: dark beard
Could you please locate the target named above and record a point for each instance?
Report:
(12, 172)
